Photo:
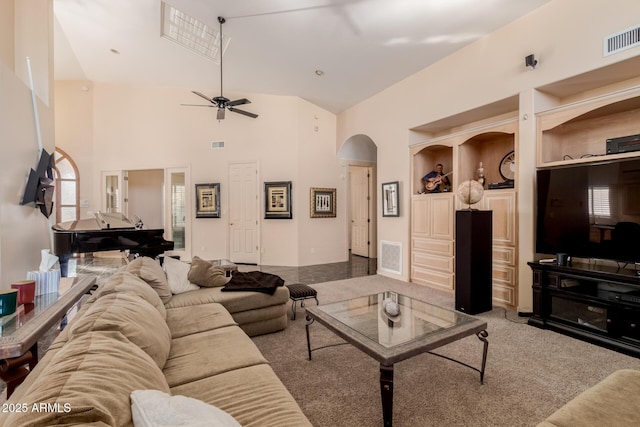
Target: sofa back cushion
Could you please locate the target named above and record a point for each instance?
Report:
(151, 272)
(89, 382)
(124, 281)
(134, 317)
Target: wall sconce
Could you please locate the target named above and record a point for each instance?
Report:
(530, 61)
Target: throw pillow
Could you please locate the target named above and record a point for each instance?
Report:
(153, 408)
(177, 272)
(151, 272)
(203, 273)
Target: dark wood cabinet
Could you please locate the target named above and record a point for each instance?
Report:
(599, 304)
(474, 242)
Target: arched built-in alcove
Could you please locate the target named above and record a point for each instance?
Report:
(359, 155)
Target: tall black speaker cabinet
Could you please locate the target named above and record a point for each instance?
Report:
(473, 261)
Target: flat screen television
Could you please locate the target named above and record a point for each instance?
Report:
(590, 210)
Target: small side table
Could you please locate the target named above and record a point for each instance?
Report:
(301, 292)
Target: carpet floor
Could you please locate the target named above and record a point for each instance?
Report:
(530, 372)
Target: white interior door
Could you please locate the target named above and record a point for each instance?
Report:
(360, 215)
(244, 209)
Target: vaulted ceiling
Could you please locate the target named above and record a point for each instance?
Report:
(276, 46)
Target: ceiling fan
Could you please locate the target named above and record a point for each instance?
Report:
(220, 101)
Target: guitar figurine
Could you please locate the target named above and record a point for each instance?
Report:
(432, 184)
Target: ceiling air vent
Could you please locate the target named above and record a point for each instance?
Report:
(622, 40)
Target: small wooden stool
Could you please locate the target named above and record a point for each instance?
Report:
(301, 292)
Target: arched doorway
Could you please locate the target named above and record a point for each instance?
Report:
(359, 154)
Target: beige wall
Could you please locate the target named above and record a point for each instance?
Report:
(565, 35)
(74, 132)
(146, 197)
(7, 8)
(34, 39)
(120, 127)
(24, 231)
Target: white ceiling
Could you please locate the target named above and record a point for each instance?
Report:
(363, 46)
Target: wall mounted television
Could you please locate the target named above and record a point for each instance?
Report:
(590, 210)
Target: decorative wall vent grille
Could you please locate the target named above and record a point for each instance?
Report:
(623, 40)
(217, 144)
(391, 257)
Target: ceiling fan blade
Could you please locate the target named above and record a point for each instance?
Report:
(197, 105)
(203, 96)
(238, 102)
(246, 113)
(220, 114)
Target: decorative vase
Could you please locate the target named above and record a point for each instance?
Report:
(480, 173)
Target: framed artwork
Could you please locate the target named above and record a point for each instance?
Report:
(323, 202)
(208, 200)
(277, 200)
(390, 199)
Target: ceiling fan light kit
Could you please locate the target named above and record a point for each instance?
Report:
(220, 101)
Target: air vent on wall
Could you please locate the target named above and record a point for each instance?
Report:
(217, 144)
(391, 257)
(622, 40)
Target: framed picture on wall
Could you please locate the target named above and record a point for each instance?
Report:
(322, 202)
(208, 200)
(390, 199)
(277, 200)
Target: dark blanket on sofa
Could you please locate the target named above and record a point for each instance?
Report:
(256, 281)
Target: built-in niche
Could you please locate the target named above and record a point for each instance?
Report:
(425, 160)
(487, 148)
(578, 133)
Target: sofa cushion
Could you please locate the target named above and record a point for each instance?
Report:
(124, 281)
(154, 408)
(253, 395)
(90, 379)
(204, 273)
(184, 321)
(605, 404)
(134, 317)
(264, 326)
(232, 301)
(208, 353)
(177, 272)
(151, 272)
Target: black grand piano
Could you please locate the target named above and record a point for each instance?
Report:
(105, 232)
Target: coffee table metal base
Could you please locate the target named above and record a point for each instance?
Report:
(386, 372)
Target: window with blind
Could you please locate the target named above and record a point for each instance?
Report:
(599, 202)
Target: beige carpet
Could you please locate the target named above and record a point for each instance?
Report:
(530, 372)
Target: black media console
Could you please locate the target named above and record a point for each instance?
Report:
(599, 304)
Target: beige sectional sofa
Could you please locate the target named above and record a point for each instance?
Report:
(614, 401)
(256, 313)
(125, 338)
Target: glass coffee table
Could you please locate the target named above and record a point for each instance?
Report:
(418, 328)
